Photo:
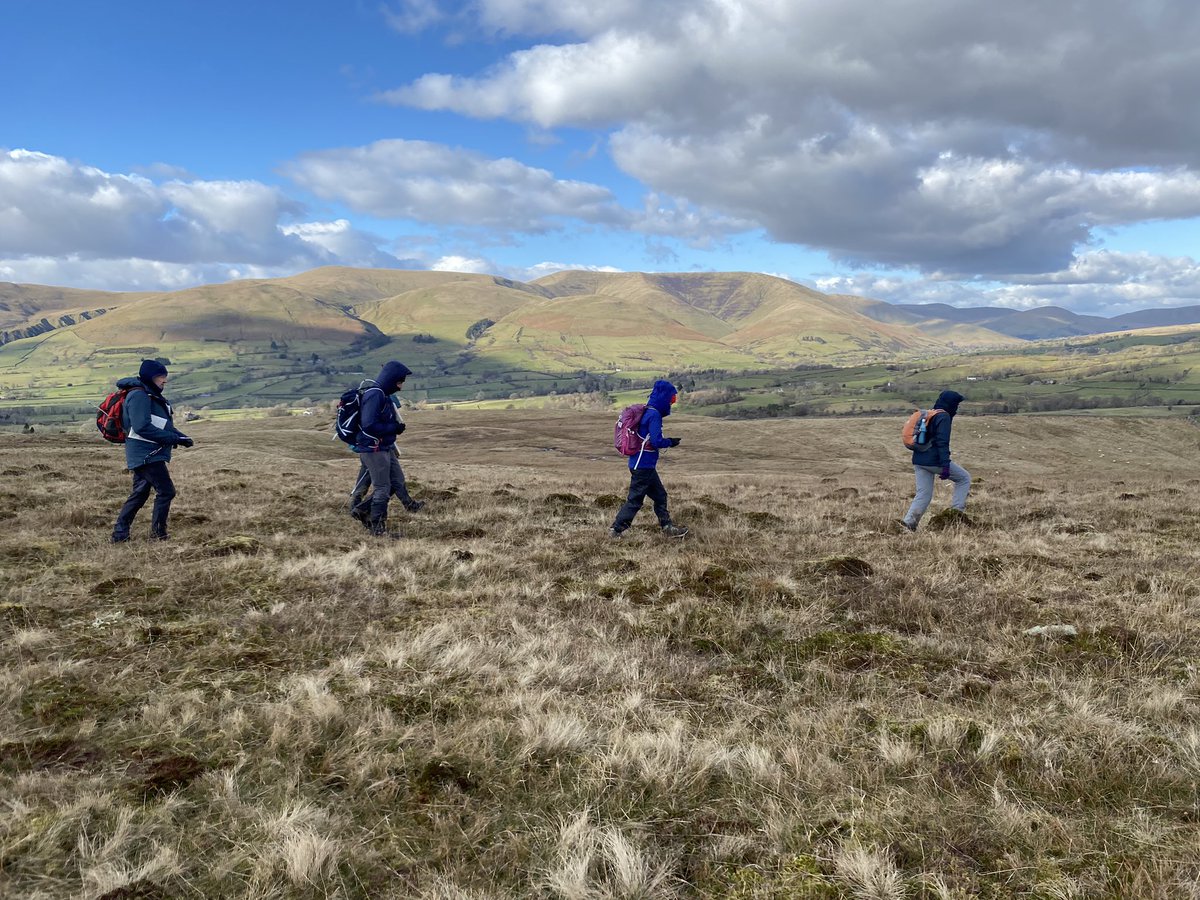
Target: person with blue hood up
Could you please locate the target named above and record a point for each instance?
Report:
(379, 425)
(150, 434)
(934, 460)
(643, 468)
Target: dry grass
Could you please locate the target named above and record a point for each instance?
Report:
(797, 701)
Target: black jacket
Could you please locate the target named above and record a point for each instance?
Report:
(379, 423)
(938, 453)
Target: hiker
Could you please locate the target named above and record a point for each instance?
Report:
(643, 473)
(934, 460)
(149, 436)
(360, 495)
(376, 448)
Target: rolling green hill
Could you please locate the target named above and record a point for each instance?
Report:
(260, 342)
(742, 343)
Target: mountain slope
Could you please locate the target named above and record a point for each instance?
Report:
(469, 334)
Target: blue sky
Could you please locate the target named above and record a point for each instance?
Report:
(911, 150)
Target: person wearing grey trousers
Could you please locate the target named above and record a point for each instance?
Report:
(933, 461)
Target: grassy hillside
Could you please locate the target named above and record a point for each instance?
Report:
(796, 701)
(741, 344)
(25, 304)
(1153, 369)
(264, 342)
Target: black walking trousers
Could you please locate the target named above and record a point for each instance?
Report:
(643, 483)
(152, 475)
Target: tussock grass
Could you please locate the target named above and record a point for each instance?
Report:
(798, 700)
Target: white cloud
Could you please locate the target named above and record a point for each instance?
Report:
(433, 183)
(345, 243)
(1103, 282)
(541, 269)
(474, 264)
(126, 274)
(954, 135)
(412, 16)
(66, 223)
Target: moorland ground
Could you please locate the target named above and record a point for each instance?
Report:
(798, 700)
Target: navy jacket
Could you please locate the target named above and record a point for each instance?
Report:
(378, 422)
(150, 432)
(658, 407)
(939, 453)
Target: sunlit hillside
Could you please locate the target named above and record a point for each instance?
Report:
(264, 342)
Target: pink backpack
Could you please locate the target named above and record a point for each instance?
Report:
(625, 436)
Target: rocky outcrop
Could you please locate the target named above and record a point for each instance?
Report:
(44, 325)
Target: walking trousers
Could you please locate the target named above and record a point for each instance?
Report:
(926, 477)
(643, 483)
(152, 475)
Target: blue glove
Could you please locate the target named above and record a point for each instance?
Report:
(184, 442)
(945, 472)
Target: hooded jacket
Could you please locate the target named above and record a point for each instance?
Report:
(939, 453)
(150, 432)
(378, 422)
(658, 407)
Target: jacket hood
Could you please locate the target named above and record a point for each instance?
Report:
(391, 375)
(949, 400)
(660, 397)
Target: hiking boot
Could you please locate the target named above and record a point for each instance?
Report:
(159, 536)
(675, 531)
(119, 538)
(907, 525)
(379, 529)
(362, 515)
(414, 505)
(614, 534)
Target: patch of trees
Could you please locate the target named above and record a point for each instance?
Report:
(716, 397)
(424, 338)
(476, 331)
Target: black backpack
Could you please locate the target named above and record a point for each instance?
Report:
(349, 416)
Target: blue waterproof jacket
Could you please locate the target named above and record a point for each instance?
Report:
(658, 407)
(939, 453)
(150, 432)
(378, 422)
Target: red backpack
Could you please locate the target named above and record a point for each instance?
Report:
(625, 436)
(109, 420)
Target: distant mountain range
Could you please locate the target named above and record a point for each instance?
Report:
(477, 337)
(1043, 322)
(566, 321)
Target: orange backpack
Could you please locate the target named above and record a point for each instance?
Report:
(915, 433)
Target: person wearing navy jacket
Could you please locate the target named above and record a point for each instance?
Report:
(376, 445)
(150, 434)
(643, 467)
(934, 460)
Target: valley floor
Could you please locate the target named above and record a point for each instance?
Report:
(798, 700)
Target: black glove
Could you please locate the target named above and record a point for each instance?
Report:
(400, 426)
(674, 441)
(184, 442)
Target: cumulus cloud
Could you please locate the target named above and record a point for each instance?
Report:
(455, 263)
(549, 268)
(67, 223)
(412, 16)
(1103, 282)
(954, 136)
(126, 274)
(433, 183)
